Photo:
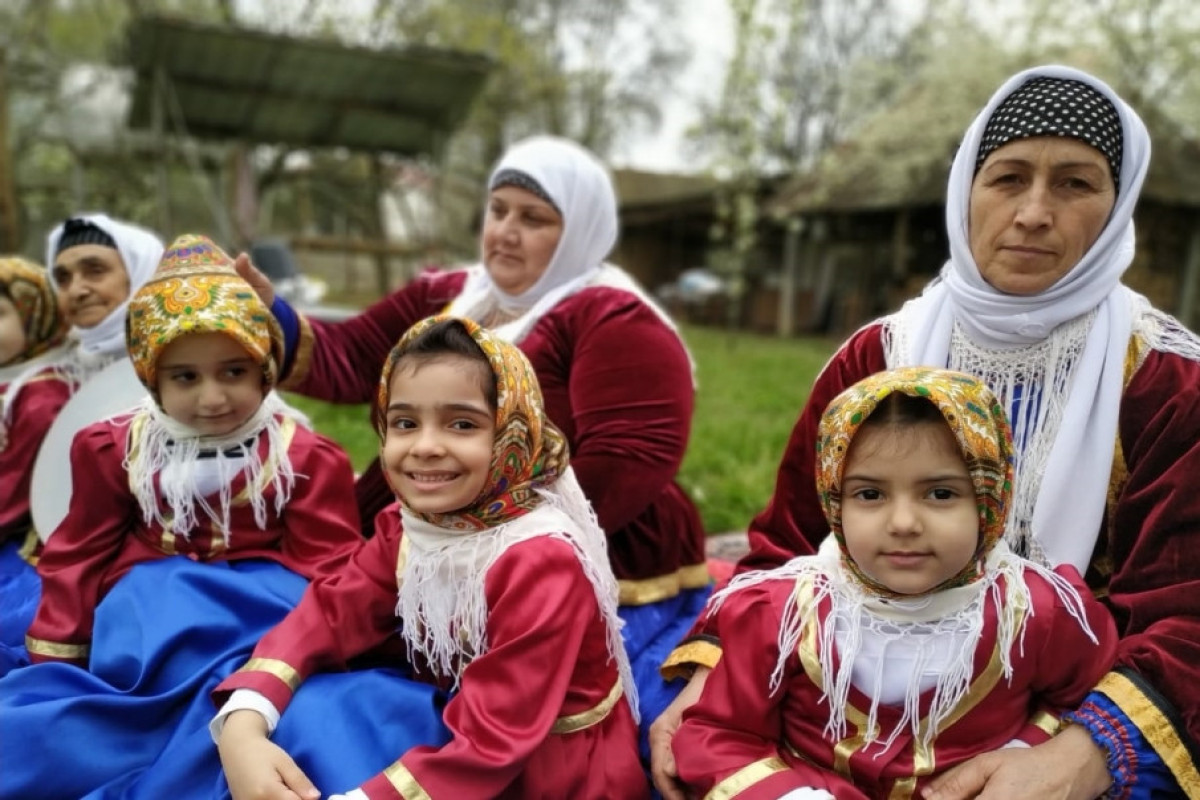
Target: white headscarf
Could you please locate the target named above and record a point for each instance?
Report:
(140, 251)
(1062, 350)
(580, 187)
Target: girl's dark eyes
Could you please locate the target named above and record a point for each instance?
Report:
(463, 425)
(867, 494)
(943, 494)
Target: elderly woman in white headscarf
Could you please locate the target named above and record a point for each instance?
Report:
(1104, 395)
(615, 373)
(97, 263)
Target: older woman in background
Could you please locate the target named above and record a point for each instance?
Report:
(1104, 395)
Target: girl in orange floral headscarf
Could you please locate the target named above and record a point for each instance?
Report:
(490, 572)
(915, 638)
(32, 392)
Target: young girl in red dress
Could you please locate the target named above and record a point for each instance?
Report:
(195, 522)
(31, 393)
(915, 638)
(492, 577)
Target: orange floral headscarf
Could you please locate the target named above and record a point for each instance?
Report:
(196, 290)
(528, 451)
(27, 285)
(978, 423)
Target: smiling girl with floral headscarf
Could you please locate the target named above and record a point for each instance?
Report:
(490, 575)
(915, 638)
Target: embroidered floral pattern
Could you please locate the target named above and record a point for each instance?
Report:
(195, 290)
(28, 286)
(529, 452)
(974, 416)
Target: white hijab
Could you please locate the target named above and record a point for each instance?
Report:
(140, 252)
(1063, 348)
(582, 190)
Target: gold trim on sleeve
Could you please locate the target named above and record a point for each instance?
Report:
(1155, 726)
(302, 361)
(28, 551)
(650, 590)
(1046, 722)
(56, 649)
(684, 659)
(276, 668)
(572, 723)
(746, 777)
(403, 782)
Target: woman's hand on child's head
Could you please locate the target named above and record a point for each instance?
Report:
(255, 767)
(258, 281)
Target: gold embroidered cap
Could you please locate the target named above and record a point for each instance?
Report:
(196, 290)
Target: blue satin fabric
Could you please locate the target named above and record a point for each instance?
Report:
(135, 725)
(651, 632)
(20, 590)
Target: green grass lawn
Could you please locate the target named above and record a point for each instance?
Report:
(751, 391)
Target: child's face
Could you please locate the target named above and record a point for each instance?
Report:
(91, 281)
(12, 331)
(438, 447)
(909, 513)
(208, 382)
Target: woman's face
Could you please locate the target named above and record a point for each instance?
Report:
(1037, 205)
(91, 282)
(520, 234)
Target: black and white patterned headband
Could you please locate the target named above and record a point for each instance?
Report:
(522, 180)
(1056, 107)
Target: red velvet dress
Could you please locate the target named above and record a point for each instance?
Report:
(775, 743)
(1146, 566)
(539, 715)
(104, 534)
(37, 405)
(616, 381)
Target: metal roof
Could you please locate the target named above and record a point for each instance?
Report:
(234, 83)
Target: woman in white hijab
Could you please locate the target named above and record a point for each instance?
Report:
(1104, 395)
(97, 263)
(616, 376)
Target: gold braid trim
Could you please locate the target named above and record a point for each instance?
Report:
(282, 670)
(28, 549)
(746, 777)
(302, 361)
(1154, 725)
(650, 590)
(1046, 722)
(573, 723)
(56, 649)
(403, 782)
(686, 657)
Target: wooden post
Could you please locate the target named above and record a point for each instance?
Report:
(786, 324)
(10, 226)
(1191, 281)
(158, 123)
(383, 276)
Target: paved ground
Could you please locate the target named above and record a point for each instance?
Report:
(727, 546)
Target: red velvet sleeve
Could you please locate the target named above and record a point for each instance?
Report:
(321, 518)
(793, 524)
(737, 721)
(340, 616)
(37, 405)
(632, 394)
(346, 358)
(79, 553)
(1154, 591)
(540, 606)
